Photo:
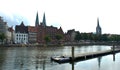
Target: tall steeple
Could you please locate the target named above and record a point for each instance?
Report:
(98, 22)
(98, 28)
(44, 21)
(37, 20)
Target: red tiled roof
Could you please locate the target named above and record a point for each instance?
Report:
(32, 29)
(10, 29)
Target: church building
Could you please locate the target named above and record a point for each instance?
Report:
(43, 30)
(37, 33)
(98, 28)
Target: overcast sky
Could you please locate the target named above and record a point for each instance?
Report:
(80, 15)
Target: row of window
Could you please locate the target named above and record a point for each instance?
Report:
(21, 38)
(21, 35)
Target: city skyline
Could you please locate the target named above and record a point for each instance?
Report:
(69, 14)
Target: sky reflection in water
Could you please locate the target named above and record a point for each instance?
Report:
(37, 58)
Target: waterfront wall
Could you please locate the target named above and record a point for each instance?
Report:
(63, 44)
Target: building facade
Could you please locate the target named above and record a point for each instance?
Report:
(70, 35)
(5, 30)
(32, 34)
(37, 33)
(21, 34)
(43, 30)
(21, 38)
(49, 31)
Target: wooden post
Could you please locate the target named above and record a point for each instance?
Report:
(113, 48)
(72, 58)
(72, 53)
(43, 64)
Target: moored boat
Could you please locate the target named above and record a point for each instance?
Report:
(60, 59)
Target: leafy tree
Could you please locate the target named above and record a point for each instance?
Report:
(58, 37)
(104, 37)
(96, 37)
(89, 36)
(47, 39)
(84, 36)
(113, 38)
(2, 37)
(77, 36)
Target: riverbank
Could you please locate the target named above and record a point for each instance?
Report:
(29, 45)
(63, 44)
(91, 43)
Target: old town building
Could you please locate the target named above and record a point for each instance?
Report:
(32, 34)
(37, 33)
(7, 31)
(43, 30)
(70, 35)
(21, 34)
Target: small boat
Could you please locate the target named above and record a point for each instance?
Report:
(60, 59)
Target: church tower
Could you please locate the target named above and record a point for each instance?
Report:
(44, 20)
(98, 28)
(37, 20)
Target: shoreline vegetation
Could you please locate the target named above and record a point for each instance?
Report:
(63, 44)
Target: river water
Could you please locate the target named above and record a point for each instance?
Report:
(38, 58)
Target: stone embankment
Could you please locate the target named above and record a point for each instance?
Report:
(63, 44)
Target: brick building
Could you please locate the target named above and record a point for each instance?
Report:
(43, 30)
(48, 31)
(37, 33)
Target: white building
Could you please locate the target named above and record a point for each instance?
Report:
(21, 34)
(21, 38)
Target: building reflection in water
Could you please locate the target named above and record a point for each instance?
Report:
(99, 61)
(100, 58)
(2, 57)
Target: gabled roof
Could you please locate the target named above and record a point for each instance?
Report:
(21, 28)
(32, 29)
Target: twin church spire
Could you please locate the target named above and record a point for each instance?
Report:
(43, 23)
(44, 20)
(37, 20)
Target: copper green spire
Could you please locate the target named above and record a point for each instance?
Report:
(37, 20)
(44, 20)
(98, 22)
(98, 28)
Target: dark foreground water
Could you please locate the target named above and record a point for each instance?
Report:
(38, 58)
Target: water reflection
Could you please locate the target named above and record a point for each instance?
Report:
(72, 65)
(38, 58)
(2, 57)
(113, 56)
(99, 61)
